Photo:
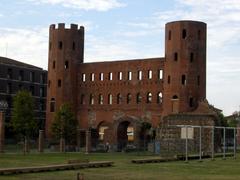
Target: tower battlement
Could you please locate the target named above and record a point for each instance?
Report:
(61, 26)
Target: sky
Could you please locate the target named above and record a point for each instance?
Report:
(128, 29)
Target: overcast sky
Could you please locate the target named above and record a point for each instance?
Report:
(126, 29)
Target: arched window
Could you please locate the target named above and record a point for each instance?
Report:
(129, 75)
(54, 65)
(110, 99)
(149, 74)
(119, 99)
(82, 99)
(91, 102)
(66, 65)
(169, 79)
(101, 77)
(191, 57)
(139, 75)
(149, 97)
(129, 98)
(169, 35)
(100, 99)
(160, 74)
(83, 77)
(175, 56)
(184, 80)
(159, 98)
(110, 76)
(73, 46)
(120, 76)
(52, 105)
(60, 45)
(191, 102)
(184, 33)
(92, 76)
(59, 83)
(139, 98)
(175, 97)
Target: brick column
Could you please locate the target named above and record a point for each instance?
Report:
(41, 141)
(2, 133)
(88, 141)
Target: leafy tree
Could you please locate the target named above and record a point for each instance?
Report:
(65, 124)
(23, 121)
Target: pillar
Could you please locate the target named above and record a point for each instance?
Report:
(41, 141)
(78, 139)
(2, 133)
(88, 141)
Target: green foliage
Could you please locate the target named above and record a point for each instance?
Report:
(65, 124)
(146, 125)
(222, 120)
(23, 121)
(232, 122)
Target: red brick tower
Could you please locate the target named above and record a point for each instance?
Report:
(185, 66)
(66, 51)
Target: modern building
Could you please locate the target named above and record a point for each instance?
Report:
(15, 76)
(113, 99)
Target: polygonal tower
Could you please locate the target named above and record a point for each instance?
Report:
(185, 66)
(66, 51)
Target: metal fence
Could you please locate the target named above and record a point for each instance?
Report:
(182, 141)
(198, 141)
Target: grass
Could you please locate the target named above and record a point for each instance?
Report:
(123, 169)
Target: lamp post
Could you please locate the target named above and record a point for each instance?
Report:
(3, 107)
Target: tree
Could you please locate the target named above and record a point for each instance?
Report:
(23, 121)
(64, 125)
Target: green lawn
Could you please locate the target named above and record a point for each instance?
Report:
(123, 168)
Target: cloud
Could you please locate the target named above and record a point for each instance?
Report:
(99, 5)
(26, 45)
(222, 17)
(102, 49)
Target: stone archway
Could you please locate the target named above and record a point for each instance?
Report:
(127, 132)
(103, 128)
(122, 135)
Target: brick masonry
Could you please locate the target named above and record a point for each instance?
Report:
(132, 91)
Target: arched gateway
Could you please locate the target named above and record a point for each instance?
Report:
(126, 132)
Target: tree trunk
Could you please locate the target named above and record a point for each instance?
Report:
(62, 144)
(26, 145)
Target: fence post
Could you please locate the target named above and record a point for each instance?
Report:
(41, 141)
(2, 133)
(200, 143)
(213, 142)
(234, 132)
(186, 159)
(224, 143)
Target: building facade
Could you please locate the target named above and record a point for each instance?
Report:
(15, 76)
(113, 99)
